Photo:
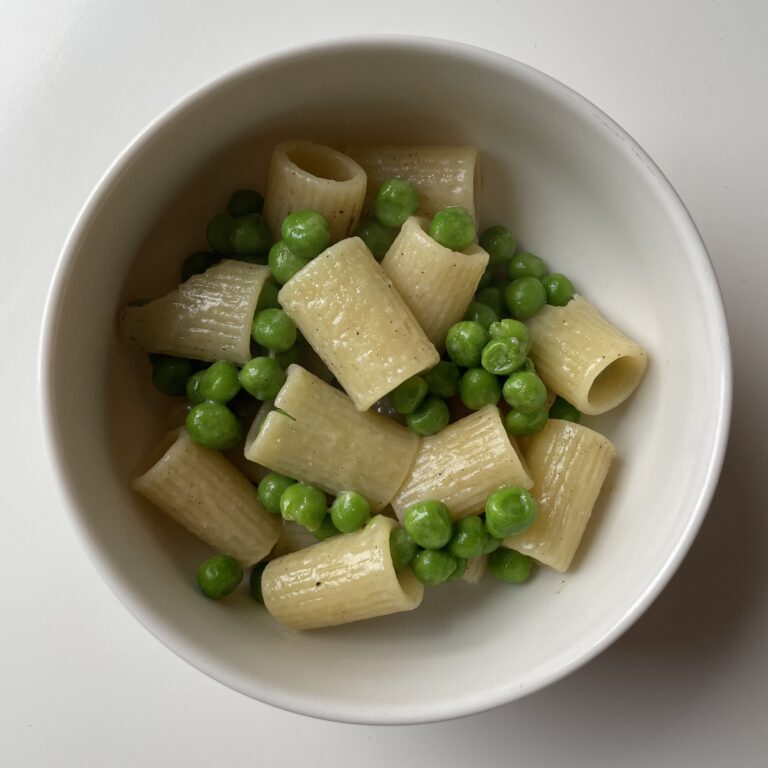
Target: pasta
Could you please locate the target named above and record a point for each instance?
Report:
(462, 465)
(436, 283)
(206, 318)
(583, 358)
(443, 176)
(346, 578)
(347, 309)
(568, 463)
(203, 492)
(319, 437)
(308, 176)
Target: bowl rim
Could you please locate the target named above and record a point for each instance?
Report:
(177, 642)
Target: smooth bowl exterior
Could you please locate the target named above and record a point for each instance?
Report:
(577, 190)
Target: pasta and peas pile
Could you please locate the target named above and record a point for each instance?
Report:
(395, 361)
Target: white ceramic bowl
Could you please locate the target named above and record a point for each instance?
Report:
(577, 190)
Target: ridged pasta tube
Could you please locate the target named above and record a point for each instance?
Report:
(208, 317)
(348, 310)
(463, 465)
(203, 492)
(437, 283)
(318, 436)
(444, 176)
(345, 578)
(308, 176)
(584, 358)
(568, 463)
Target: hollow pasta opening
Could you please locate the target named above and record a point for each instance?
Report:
(322, 162)
(157, 453)
(411, 586)
(616, 382)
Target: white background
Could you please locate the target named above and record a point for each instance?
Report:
(83, 684)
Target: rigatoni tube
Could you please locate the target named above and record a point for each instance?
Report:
(304, 176)
(464, 464)
(583, 357)
(436, 283)
(568, 463)
(317, 435)
(348, 310)
(208, 317)
(343, 579)
(206, 494)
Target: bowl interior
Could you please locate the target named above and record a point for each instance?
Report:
(576, 191)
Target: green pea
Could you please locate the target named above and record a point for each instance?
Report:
(395, 201)
(213, 425)
(524, 297)
(525, 391)
(432, 567)
(491, 296)
(268, 296)
(378, 237)
(350, 511)
(503, 356)
(461, 566)
(500, 244)
(170, 375)
(262, 378)
(559, 289)
(402, 548)
(326, 530)
(443, 379)
(289, 357)
(218, 576)
(406, 397)
(193, 388)
(429, 418)
(510, 566)
(509, 511)
(220, 382)
(196, 263)
(464, 343)
(562, 409)
(273, 329)
(271, 489)
(468, 538)
(479, 388)
(218, 232)
(304, 504)
(453, 228)
(487, 278)
(491, 544)
(254, 582)
(250, 234)
(283, 262)
(481, 313)
(525, 264)
(306, 233)
(528, 366)
(509, 328)
(522, 424)
(429, 524)
(245, 201)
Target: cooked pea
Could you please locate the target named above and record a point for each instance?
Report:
(443, 379)
(453, 228)
(522, 424)
(219, 575)
(254, 581)
(193, 388)
(170, 375)
(402, 548)
(196, 263)
(434, 566)
(289, 357)
(306, 233)
(429, 418)
(509, 328)
(377, 236)
(528, 366)
(350, 511)
(283, 262)
(429, 524)
(468, 538)
(461, 566)
(509, 511)
(220, 382)
(245, 201)
(525, 391)
(481, 313)
(491, 544)
(304, 504)
(479, 388)
(491, 296)
(525, 264)
(395, 201)
(326, 530)
(524, 297)
(271, 489)
(250, 234)
(218, 233)
(503, 356)
(268, 296)
(559, 289)
(562, 409)
(500, 244)
(262, 378)
(273, 329)
(213, 425)
(408, 396)
(464, 343)
(510, 566)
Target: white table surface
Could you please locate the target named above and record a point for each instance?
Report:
(83, 684)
